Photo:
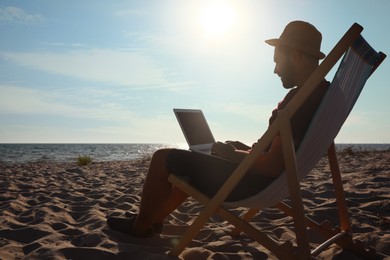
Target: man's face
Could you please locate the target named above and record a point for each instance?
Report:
(284, 67)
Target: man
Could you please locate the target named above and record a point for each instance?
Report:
(296, 56)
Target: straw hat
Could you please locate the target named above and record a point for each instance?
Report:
(301, 36)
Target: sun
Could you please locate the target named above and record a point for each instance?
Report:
(217, 18)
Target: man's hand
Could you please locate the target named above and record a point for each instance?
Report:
(238, 145)
(227, 151)
(222, 149)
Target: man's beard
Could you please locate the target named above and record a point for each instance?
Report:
(288, 79)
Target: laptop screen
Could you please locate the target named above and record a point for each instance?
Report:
(195, 127)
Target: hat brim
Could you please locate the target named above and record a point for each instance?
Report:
(277, 42)
(272, 42)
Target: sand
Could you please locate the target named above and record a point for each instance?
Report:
(58, 211)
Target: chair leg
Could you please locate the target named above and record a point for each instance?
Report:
(191, 232)
(338, 188)
(345, 224)
(282, 251)
(247, 217)
(204, 216)
(294, 187)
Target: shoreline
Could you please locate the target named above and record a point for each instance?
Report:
(58, 210)
(21, 153)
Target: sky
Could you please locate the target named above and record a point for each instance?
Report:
(96, 71)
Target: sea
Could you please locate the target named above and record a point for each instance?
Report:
(29, 153)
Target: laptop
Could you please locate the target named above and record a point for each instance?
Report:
(195, 129)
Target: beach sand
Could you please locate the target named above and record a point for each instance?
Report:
(58, 211)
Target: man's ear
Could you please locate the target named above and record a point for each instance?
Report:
(296, 55)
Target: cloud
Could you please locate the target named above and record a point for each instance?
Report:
(357, 119)
(71, 104)
(59, 113)
(26, 101)
(13, 14)
(119, 67)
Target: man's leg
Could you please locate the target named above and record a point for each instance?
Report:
(159, 198)
(176, 198)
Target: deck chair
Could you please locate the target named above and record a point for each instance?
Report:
(358, 63)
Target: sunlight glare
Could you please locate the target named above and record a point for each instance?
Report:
(217, 18)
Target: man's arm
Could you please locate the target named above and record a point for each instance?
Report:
(269, 163)
(228, 151)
